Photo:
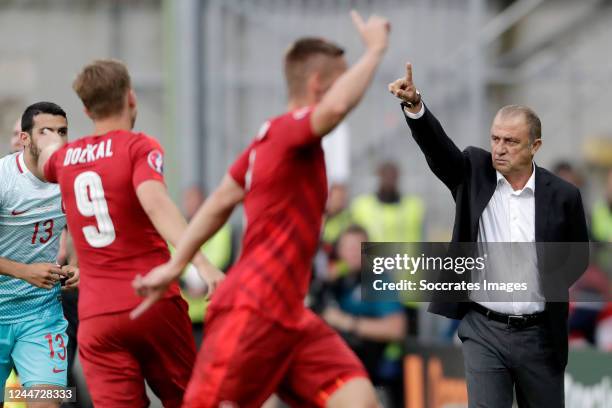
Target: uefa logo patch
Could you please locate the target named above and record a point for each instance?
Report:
(156, 161)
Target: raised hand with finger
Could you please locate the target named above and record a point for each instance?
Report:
(404, 89)
(374, 32)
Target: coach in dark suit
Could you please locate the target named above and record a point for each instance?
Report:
(502, 196)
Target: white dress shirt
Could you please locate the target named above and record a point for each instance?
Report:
(509, 217)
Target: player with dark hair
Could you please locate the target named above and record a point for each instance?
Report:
(260, 339)
(32, 326)
(120, 217)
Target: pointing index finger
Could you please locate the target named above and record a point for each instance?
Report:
(409, 72)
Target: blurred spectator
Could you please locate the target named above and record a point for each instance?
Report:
(590, 319)
(567, 172)
(374, 330)
(218, 250)
(337, 215)
(193, 197)
(601, 216)
(387, 215)
(15, 142)
(603, 332)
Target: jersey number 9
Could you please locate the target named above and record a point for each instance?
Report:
(91, 203)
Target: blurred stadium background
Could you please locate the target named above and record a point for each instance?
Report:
(207, 73)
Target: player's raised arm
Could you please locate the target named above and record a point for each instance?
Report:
(348, 90)
(48, 145)
(171, 224)
(211, 216)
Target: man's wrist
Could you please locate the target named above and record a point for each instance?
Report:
(414, 112)
(376, 52)
(415, 102)
(353, 324)
(176, 268)
(18, 271)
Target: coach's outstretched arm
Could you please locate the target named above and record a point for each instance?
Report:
(443, 157)
(211, 216)
(348, 90)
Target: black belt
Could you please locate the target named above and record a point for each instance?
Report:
(518, 321)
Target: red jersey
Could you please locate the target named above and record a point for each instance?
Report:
(113, 236)
(283, 174)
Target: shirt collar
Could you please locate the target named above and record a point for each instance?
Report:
(530, 183)
(21, 165)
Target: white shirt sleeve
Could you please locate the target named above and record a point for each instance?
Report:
(415, 115)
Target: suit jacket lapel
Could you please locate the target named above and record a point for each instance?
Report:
(484, 187)
(542, 204)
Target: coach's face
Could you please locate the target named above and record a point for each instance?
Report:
(42, 123)
(512, 150)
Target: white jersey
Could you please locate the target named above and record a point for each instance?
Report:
(31, 223)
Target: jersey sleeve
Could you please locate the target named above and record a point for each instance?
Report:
(295, 130)
(50, 167)
(147, 157)
(238, 170)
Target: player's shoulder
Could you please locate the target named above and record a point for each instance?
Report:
(293, 116)
(144, 140)
(8, 171)
(9, 163)
(283, 121)
(5, 159)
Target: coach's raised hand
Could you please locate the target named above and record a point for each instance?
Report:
(374, 32)
(405, 90)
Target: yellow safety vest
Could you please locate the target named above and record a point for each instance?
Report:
(335, 225)
(601, 222)
(390, 222)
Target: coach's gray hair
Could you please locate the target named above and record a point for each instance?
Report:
(532, 120)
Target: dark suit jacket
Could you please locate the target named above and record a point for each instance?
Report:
(559, 217)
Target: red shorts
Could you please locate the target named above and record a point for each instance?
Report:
(246, 357)
(119, 354)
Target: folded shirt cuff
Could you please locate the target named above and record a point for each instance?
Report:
(413, 115)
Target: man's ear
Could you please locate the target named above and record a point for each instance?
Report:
(313, 84)
(25, 138)
(131, 98)
(535, 146)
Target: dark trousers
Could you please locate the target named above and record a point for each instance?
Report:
(499, 358)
